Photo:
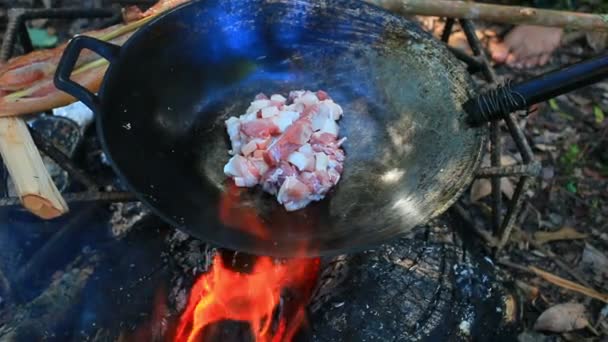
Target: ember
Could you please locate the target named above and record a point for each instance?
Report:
(226, 294)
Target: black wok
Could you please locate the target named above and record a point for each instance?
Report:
(162, 105)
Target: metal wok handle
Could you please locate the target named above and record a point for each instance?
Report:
(68, 61)
(506, 99)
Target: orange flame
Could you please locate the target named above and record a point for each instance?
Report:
(224, 294)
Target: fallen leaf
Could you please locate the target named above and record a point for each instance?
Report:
(506, 160)
(594, 260)
(483, 187)
(571, 187)
(597, 40)
(548, 172)
(553, 104)
(599, 114)
(592, 174)
(565, 233)
(562, 318)
(579, 100)
(480, 189)
(545, 147)
(507, 187)
(565, 116)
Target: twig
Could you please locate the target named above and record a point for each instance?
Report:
(559, 262)
(570, 285)
(497, 13)
(120, 31)
(485, 235)
(558, 281)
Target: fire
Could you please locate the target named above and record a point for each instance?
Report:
(225, 294)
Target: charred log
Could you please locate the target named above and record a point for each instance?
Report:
(420, 288)
(37, 319)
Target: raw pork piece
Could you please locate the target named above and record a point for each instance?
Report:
(289, 146)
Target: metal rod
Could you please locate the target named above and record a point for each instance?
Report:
(496, 149)
(67, 13)
(24, 37)
(511, 216)
(520, 139)
(496, 152)
(531, 170)
(473, 63)
(502, 228)
(469, 30)
(48, 148)
(79, 197)
(8, 41)
(447, 30)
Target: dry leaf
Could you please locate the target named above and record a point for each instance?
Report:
(545, 147)
(507, 187)
(594, 260)
(580, 100)
(506, 160)
(562, 318)
(483, 187)
(597, 40)
(565, 233)
(480, 189)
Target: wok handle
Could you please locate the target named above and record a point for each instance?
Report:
(508, 98)
(68, 61)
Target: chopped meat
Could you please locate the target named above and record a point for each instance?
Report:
(289, 146)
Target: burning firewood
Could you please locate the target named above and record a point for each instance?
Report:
(32, 320)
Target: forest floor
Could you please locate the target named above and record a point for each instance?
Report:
(564, 222)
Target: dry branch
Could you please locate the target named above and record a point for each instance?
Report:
(497, 13)
(32, 181)
(558, 281)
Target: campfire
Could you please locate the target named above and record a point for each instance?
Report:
(267, 290)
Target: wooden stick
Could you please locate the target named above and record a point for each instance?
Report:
(32, 181)
(570, 285)
(497, 13)
(558, 281)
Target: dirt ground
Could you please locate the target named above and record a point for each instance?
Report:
(564, 223)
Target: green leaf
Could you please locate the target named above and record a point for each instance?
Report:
(565, 116)
(571, 186)
(41, 38)
(599, 114)
(573, 151)
(553, 104)
(571, 156)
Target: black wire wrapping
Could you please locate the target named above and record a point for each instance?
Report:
(495, 104)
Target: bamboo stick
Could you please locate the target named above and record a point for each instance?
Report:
(89, 75)
(497, 13)
(33, 184)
